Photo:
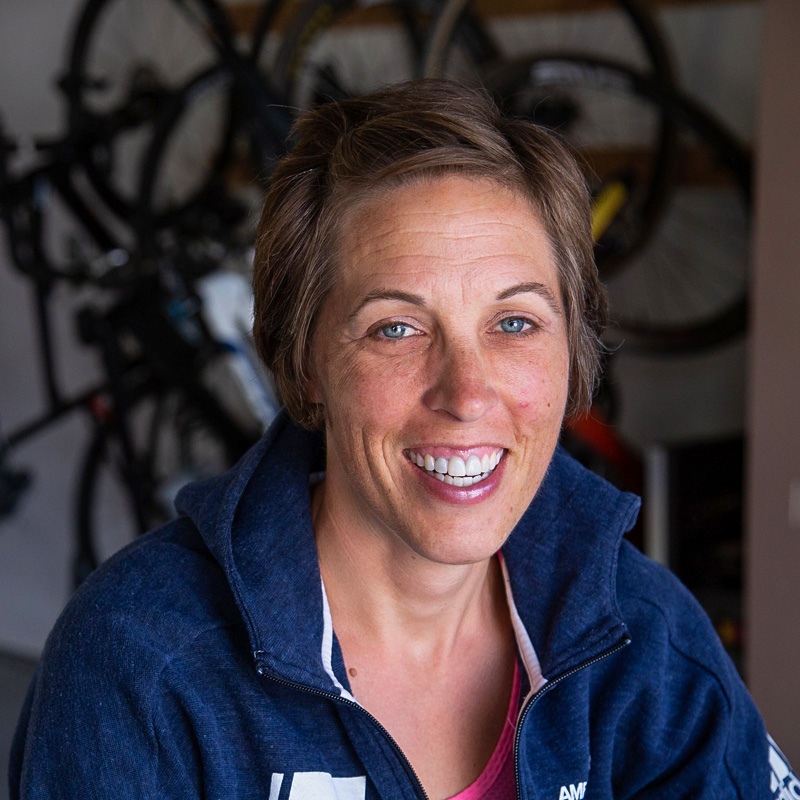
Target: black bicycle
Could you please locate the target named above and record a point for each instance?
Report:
(159, 415)
(127, 58)
(671, 229)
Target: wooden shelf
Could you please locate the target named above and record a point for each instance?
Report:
(245, 15)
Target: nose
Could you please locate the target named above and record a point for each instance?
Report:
(462, 386)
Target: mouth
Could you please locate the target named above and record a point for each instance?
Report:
(456, 470)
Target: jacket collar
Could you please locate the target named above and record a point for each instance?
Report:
(256, 521)
(562, 562)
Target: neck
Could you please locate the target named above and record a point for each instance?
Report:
(382, 591)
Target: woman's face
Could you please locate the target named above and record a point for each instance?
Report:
(441, 349)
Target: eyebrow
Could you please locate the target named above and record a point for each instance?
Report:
(389, 294)
(535, 288)
(417, 300)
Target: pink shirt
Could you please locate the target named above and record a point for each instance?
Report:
(497, 781)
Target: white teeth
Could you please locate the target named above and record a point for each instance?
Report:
(456, 467)
(455, 471)
(473, 466)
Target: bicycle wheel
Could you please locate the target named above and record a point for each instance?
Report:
(271, 22)
(126, 57)
(470, 36)
(203, 173)
(120, 497)
(333, 49)
(683, 285)
(194, 141)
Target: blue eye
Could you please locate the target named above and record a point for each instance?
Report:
(395, 331)
(514, 325)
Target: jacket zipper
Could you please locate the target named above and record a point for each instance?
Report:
(546, 688)
(261, 670)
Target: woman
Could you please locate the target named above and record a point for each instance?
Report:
(382, 610)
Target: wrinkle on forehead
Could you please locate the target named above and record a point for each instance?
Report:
(375, 232)
(368, 214)
(368, 231)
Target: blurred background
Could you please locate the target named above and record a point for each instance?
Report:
(137, 138)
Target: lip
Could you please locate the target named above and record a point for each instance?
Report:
(463, 452)
(458, 495)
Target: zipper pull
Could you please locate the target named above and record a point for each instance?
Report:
(261, 664)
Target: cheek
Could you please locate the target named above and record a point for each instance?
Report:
(538, 387)
(365, 393)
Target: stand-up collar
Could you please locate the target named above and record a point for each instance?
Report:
(562, 563)
(256, 521)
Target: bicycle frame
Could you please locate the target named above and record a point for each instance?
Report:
(23, 204)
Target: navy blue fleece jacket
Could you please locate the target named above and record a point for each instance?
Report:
(201, 662)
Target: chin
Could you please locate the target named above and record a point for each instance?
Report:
(457, 550)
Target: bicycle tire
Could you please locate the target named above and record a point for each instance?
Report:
(123, 61)
(273, 17)
(466, 44)
(204, 172)
(333, 49)
(182, 178)
(684, 288)
(558, 27)
(117, 501)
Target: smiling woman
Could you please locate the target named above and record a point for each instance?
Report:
(406, 589)
(442, 336)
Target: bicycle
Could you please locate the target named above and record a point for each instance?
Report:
(116, 99)
(337, 48)
(677, 279)
(125, 61)
(673, 249)
(174, 412)
(159, 417)
(470, 36)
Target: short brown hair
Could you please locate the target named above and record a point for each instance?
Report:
(407, 132)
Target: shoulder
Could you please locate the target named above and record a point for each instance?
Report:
(683, 694)
(671, 633)
(106, 710)
(147, 603)
(663, 613)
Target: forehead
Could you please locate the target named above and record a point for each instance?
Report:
(474, 231)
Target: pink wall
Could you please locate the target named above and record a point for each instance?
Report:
(773, 524)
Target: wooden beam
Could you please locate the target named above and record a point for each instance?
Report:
(244, 16)
(696, 166)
